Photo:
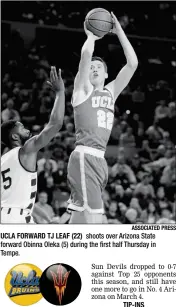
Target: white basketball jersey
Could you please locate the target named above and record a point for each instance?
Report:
(18, 186)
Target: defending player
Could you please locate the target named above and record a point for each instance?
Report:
(18, 166)
(93, 105)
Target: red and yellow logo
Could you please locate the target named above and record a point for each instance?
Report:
(60, 281)
(22, 284)
(60, 284)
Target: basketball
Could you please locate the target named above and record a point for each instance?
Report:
(99, 22)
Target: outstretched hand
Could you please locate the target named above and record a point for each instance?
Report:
(89, 33)
(56, 81)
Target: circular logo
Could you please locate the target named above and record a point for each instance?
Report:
(22, 284)
(60, 284)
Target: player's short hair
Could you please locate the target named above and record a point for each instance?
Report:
(6, 129)
(97, 58)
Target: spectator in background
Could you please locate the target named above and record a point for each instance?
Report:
(50, 188)
(45, 109)
(42, 212)
(125, 118)
(161, 198)
(66, 121)
(166, 141)
(121, 178)
(144, 188)
(24, 95)
(43, 63)
(160, 163)
(36, 129)
(56, 142)
(16, 93)
(48, 179)
(116, 131)
(47, 172)
(27, 114)
(4, 98)
(172, 110)
(10, 112)
(60, 176)
(168, 179)
(123, 126)
(112, 213)
(122, 209)
(150, 214)
(68, 137)
(172, 121)
(138, 99)
(160, 152)
(41, 75)
(145, 152)
(136, 164)
(6, 78)
(46, 164)
(154, 134)
(122, 168)
(163, 90)
(138, 95)
(127, 138)
(131, 216)
(70, 145)
(135, 122)
(166, 217)
(8, 88)
(59, 153)
(134, 203)
(69, 132)
(161, 111)
(140, 135)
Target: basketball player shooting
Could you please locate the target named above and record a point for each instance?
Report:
(18, 165)
(93, 105)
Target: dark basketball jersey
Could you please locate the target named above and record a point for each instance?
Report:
(94, 120)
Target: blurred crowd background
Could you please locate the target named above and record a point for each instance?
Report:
(141, 153)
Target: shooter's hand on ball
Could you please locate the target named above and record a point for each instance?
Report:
(90, 34)
(116, 24)
(132, 61)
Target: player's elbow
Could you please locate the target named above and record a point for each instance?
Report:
(133, 64)
(55, 126)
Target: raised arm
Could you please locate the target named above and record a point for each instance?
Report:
(82, 78)
(124, 76)
(56, 118)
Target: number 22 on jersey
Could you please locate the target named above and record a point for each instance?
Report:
(105, 119)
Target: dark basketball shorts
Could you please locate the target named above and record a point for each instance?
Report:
(87, 178)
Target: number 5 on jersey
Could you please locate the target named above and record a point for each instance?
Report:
(105, 120)
(6, 179)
